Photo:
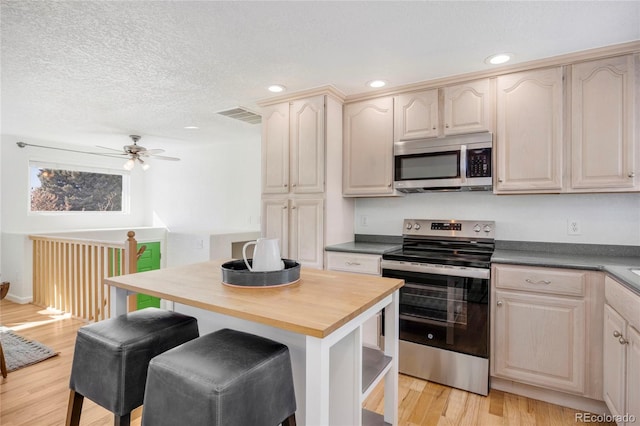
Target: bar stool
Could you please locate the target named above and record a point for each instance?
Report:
(111, 358)
(226, 378)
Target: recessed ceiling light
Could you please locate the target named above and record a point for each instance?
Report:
(498, 59)
(377, 83)
(276, 88)
(191, 127)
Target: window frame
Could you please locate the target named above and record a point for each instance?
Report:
(126, 188)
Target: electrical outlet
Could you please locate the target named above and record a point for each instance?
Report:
(573, 227)
(364, 220)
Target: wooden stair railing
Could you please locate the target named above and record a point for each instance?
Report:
(68, 273)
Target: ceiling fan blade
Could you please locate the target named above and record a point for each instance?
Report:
(148, 152)
(111, 149)
(164, 157)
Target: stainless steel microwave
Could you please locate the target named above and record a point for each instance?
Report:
(454, 163)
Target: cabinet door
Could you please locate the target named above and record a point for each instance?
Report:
(602, 137)
(467, 107)
(307, 246)
(540, 340)
(275, 149)
(529, 131)
(416, 115)
(613, 359)
(275, 222)
(633, 373)
(307, 145)
(368, 148)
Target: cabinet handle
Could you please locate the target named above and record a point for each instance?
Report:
(434, 127)
(353, 263)
(446, 125)
(623, 341)
(294, 185)
(616, 333)
(545, 282)
(285, 185)
(499, 303)
(632, 174)
(284, 207)
(388, 185)
(293, 207)
(500, 180)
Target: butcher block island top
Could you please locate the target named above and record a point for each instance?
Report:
(318, 304)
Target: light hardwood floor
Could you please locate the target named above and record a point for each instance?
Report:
(38, 394)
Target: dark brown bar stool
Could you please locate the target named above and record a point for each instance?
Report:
(226, 378)
(111, 358)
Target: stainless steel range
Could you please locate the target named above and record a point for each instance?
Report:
(444, 304)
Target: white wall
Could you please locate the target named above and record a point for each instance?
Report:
(604, 218)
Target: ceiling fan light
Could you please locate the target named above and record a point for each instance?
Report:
(129, 164)
(145, 167)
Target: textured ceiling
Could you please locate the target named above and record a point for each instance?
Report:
(92, 72)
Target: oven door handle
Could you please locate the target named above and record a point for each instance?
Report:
(453, 271)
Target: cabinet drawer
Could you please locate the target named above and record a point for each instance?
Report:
(623, 300)
(354, 262)
(540, 280)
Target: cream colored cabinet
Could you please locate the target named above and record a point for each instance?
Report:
(529, 137)
(621, 352)
(461, 108)
(603, 141)
(298, 224)
(302, 201)
(546, 323)
(468, 107)
(368, 148)
(293, 147)
(416, 115)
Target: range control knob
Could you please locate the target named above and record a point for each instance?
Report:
(416, 226)
(409, 226)
(476, 228)
(487, 228)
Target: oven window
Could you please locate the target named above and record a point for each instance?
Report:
(444, 311)
(441, 165)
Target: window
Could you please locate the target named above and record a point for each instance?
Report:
(55, 188)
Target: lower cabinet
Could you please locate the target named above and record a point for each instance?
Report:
(298, 224)
(621, 353)
(545, 325)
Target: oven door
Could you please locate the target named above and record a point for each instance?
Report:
(444, 311)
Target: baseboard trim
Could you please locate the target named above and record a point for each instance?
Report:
(19, 300)
(554, 397)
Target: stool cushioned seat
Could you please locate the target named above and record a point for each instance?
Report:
(226, 378)
(111, 357)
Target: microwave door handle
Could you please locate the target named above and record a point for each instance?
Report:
(463, 164)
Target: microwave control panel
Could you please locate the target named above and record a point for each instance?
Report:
(479, 162)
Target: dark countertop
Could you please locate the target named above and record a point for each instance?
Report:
(369, 244)
(615, 261)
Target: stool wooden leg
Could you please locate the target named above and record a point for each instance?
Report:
(290, 421)
(3, 364)
(122, 420)
(74, 408)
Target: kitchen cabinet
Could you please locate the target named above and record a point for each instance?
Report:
(416, 115)
(302, 201)
(529, 131)
(294, 147)
(360, 263)
(621, 352)
(368, 148)
(545, 326)
(468, 107)
(603, 142)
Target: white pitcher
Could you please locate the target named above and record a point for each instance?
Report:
(266, 255)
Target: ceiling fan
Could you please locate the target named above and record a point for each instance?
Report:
(137, 152)
(134, 152)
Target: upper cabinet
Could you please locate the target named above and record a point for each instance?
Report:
(462, 108)
(416, 115)
(293, 147)
(468, 107)
(602, 127)
(529, 124)
(368, 148)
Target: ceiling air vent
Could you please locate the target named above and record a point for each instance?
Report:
(242, 114)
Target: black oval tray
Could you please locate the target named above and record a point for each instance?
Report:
(236, 274)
